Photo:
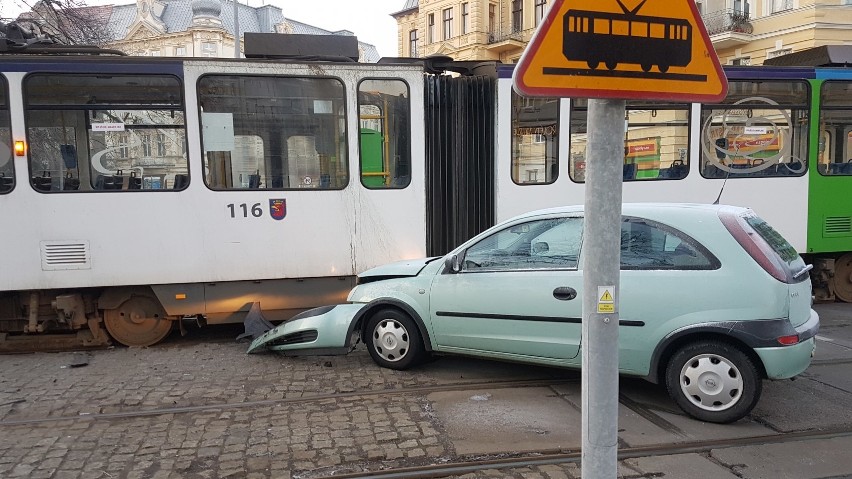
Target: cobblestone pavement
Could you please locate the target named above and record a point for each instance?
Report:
(211, 411)
(274, 439)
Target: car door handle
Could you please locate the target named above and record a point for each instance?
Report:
(564, 293)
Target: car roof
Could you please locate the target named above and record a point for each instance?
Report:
(639, 209)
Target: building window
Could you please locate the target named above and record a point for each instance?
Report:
(517, 15)
(430, 33)
(492, 17)
(742, 61)
(448, 23)
(208, 49)
(465, 18)
(146, 145)
(540, 9)
(161, 145)
(412, 43)
(155, 53)
(180, 51)
(780, 5)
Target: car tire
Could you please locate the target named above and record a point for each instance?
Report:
(713, 381)
(394, 340)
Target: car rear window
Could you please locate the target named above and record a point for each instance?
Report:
(777, 242)
(765, 245)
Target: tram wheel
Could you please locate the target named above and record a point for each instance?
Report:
(139, 321)
(611, 64)
(843, 278)
(593, 64)
(646, 67)
(663, 68)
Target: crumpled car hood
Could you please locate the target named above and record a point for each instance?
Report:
(409, 267)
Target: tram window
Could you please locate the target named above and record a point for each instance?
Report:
(279, 133)
(105, 132)
(384, 117)
(7, 164)
(535, 140)
(759, 130)
(656, 145)
(835, 157)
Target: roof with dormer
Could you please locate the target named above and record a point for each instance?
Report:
(177, 17)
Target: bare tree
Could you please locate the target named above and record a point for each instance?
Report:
(69, 22)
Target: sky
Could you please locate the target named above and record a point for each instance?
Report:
(370, 20)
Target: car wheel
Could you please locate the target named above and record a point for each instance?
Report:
(713, 381)
(394, 340)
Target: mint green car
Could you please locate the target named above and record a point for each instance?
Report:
(712, 300)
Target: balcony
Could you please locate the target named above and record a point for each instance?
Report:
(728, 28)
(502, 41)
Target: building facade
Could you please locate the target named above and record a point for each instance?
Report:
(190, 28)
(468, 30)
(743, 32)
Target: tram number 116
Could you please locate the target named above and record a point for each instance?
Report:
(255, 210)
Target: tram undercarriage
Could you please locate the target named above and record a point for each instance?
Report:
(139, 316)
(832, 277)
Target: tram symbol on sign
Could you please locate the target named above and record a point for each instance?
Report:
(613, 38)
(607, 49)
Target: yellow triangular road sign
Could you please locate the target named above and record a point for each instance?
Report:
(642, 49)
(606, 297)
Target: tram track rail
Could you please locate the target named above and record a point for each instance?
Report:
(637, 407)
(462, 466)
(461, 386)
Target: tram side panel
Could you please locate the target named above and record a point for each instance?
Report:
(829, 208)
(669, 153)
(259, 214)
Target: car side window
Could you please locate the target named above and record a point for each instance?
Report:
(552, 243)
(649, 245)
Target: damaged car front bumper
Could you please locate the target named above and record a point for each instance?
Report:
(328, 330)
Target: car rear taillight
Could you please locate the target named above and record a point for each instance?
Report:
(789, 340)
(754, 245)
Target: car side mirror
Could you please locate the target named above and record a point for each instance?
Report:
(453, 264)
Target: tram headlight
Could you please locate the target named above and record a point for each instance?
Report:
(20, 148)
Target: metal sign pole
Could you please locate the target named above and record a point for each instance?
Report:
(601, 267)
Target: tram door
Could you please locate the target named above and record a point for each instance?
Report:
(387, 169)
(460, 181)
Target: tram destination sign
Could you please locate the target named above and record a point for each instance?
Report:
(629, 49)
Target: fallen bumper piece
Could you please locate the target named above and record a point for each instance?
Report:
(329, 330)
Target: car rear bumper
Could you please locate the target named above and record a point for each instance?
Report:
(784, 362)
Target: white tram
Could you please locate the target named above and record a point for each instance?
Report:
(139, 191)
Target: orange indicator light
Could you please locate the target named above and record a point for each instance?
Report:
(20, 148)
